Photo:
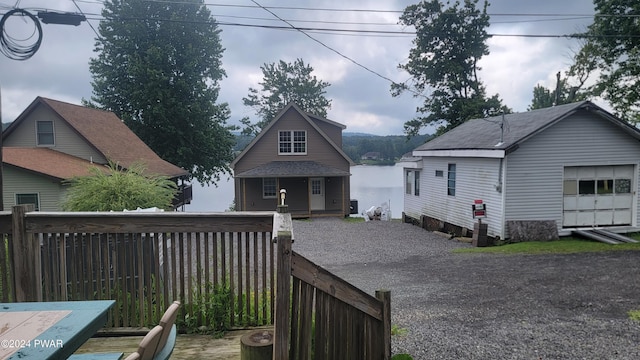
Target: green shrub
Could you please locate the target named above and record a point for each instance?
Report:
(634, 315)
(210, 312)
(401, 357)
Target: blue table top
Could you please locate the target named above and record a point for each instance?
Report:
(65, 336)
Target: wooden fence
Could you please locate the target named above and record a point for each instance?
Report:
(144, 261)
(325, 317)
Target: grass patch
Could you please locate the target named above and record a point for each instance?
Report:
(634, 315)
(353, 219)
(398, 331)
(562, 246)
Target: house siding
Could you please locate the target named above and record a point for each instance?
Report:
(333, 132)
(476, 178)
(15, 181)
(266, 149)
(66, 139)
(534, 172)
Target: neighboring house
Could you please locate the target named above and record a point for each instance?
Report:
(573, 165)
(298, 152)
(371, 155)
(52, 141)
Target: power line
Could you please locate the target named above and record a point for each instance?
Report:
(91, 26)
(389, 10)
(330, 48)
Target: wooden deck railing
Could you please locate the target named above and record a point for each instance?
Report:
(144, 261)
(325, 317)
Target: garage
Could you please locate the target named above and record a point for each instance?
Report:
(598, 195)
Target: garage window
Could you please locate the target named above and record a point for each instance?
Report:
(623, 186)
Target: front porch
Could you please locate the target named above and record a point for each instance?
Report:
(321, 192)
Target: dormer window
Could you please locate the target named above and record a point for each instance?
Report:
(44, 133)
(292, 142)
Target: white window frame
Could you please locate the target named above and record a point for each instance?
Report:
(451, 180)
(37, 203)
(53, 133)
(266, 187)
(292, 142)
(412, 182)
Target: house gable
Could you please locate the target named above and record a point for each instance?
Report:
(22, 133)
(320, 147)
(91, 134)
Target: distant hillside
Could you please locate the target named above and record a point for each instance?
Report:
(385, 149)
(381, 149)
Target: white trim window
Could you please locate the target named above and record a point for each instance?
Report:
(292, 142)
(45, 135)
(269, 188)
(412, 182)
(31, 198)
(451, 180)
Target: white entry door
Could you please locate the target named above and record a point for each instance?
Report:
(598, 195)
(316, 193)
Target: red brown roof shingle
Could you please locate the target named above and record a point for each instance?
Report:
(108, 135)
(48, 162)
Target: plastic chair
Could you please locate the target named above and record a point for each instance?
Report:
(149, 343)
(167, 322)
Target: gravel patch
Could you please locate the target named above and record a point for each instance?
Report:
(484, 306)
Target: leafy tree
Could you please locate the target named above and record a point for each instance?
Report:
(450, 40)
(283, 83)
(115, 189)
(612, 50)
(564, 93)
(158, 69)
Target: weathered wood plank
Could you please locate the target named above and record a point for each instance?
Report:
(334, 285)
(5, 264)
(283, 288)
(385, 297)
(27, 259)
(5, 222)
(132, 222)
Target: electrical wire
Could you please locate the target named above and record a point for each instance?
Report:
(13, 48)
(91, 26)
(334, 50)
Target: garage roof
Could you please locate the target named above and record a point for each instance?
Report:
(505, 133)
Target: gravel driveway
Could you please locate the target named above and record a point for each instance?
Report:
(484, 306)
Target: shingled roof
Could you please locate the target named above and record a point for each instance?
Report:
(55, 164)
(107, 134)
(498, 133)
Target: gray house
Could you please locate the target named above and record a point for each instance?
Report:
(301, 153)
(575, 165)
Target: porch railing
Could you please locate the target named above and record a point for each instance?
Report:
(325, 317)
(144, 261)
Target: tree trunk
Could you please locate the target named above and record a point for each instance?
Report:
(257, 345)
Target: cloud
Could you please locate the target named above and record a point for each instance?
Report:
(361, 99)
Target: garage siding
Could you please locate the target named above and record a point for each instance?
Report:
(476, 178)
(534, 172)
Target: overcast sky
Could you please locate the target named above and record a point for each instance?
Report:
(360, 99)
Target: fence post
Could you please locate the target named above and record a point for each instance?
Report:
(385, 297)
(282, 232)
(26, 258)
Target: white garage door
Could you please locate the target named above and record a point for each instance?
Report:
(598, 195)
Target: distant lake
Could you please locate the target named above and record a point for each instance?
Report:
(371, 185)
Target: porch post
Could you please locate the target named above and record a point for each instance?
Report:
(26, 258)
(282, 232)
